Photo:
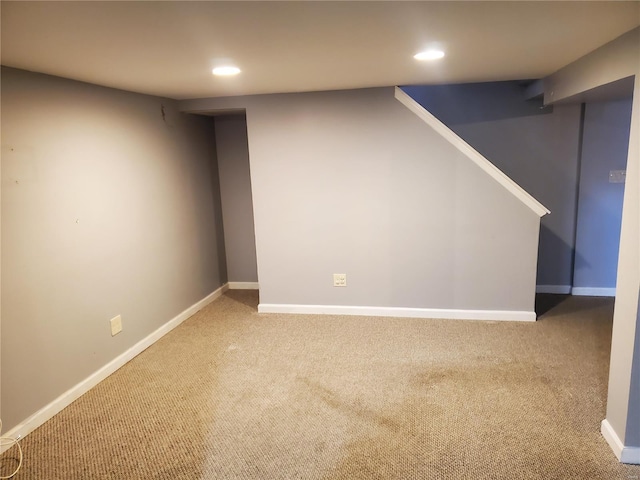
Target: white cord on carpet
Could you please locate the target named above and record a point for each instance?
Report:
(5, 441)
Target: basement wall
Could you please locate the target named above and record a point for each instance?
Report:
(617, 60)
(536, 146)
(604, 149)
(353, 182)
(235, 190)
(110, 206)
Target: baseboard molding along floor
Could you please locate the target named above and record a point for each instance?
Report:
(243, 285)
(45, 413)
(557, 289)
(593, 292)
(577, 291)
(522, 316)
(629, 455)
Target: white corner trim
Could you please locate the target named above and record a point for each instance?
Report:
(612, 438)
(243, 286)
(471, 153)
(593, 292)
(521, 316)
(624, 454)
(75, 392)
(558, 289)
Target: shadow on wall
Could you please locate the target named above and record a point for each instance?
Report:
(536, 147)
(217, 208)
(545, 302)
(555, 250)
(491, 101)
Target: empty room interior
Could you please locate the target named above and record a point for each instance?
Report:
(320, 240)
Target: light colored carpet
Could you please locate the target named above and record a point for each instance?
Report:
(233, 394)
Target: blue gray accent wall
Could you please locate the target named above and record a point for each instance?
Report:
(541, 148)
(536, 146)
(604, 149)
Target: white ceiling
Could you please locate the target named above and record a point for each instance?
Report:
(169, 48)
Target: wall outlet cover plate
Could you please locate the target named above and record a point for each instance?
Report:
(339, 279)
(116, 325)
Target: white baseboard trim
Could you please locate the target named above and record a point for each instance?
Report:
(75, 392)
(624, 454)
(243, 285)
(630, 455)
(612, 438)
(557, 289)
(522, 316)
(593, 292)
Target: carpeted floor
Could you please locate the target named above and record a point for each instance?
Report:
(233, 394)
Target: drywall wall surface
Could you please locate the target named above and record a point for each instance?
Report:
(409, 220)
(623, 409)
(604, 150)
(536, 147)
(353, 182)
(107, 209)
(632, 438)
(616, 60)
(235, 189)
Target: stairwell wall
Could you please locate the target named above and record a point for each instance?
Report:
(536, 146)
(353, 182)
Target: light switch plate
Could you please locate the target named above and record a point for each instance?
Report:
(617, 176)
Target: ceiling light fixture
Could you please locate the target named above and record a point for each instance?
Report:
(429, 55)
(226, 71)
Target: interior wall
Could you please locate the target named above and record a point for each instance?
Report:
(623, 402)
(617, 60)
(353, 182)
(604, 149)
(108, 209)
(235, 189)
(535, 146)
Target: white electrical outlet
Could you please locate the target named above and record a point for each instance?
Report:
(116, 325)
(339, 279)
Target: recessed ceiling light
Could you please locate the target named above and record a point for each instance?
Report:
(225, 71)
(429, 55)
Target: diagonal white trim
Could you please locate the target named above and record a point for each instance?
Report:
(440, 313)
(75, 392)
(471, 153)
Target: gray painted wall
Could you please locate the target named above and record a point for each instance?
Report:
(107, 209)
(235, 189)
(624, 377)
(353, 182)
(536, 147)
(604, 148)
(613, 61)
